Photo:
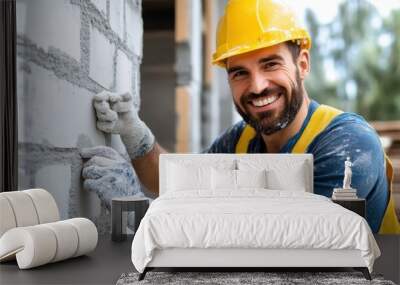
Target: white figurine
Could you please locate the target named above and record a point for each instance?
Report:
(347, 174)
(347, 192)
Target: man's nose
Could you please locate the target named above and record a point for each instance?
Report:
(258, 83)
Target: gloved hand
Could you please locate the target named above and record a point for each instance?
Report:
(108, 174)
(117, 115)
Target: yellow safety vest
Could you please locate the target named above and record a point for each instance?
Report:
(319, 120)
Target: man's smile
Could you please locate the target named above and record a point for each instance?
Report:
(265, 103)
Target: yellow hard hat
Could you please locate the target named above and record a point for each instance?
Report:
(248, 25)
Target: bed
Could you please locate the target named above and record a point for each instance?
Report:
(247, 211)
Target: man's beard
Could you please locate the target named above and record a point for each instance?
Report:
(264, 122)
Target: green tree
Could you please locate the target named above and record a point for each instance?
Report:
(352, 42)
(383, 76)
(317, 85)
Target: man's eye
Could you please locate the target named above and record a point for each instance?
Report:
(239, 74)
(270, 65)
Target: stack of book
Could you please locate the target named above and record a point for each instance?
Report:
(344, 194)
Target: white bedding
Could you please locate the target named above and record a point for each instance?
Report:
(251, 218)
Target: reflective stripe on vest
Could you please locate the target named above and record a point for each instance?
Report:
(319, 120)
(390, 223)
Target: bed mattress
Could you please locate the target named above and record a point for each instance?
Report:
(250, 219)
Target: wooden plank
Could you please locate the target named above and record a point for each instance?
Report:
(182, 107)
(385, 126)
(209, 37)
(182, 23)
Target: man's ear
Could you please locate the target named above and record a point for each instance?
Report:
(304, 63)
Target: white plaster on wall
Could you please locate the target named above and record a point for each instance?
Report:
(134, 29)
(56, 111)
(23, 180)
(101, 58)
(124, 73)
(101, 5)
(51, 23)
(56, 179)
(136, 84)
(21, 99)
(117, 144)
(117, 17)
(21, 13)
(89, 204)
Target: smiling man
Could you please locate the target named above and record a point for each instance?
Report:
(268, 92)
(266, 55)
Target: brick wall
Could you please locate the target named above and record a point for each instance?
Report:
(67, 51)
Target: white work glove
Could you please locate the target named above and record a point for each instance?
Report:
(117, 115)
(108, 174)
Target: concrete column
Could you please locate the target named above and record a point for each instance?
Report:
(188, 26)
(210, 102)
(219, 111)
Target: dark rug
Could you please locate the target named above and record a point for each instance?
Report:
(229, 278)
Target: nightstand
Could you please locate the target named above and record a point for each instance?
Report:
(356, 205)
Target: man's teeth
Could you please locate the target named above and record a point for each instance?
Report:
(265, 101)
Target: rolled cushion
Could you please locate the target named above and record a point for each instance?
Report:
(45, 205)
(87, 233)
(7, 218)
(26, 208)
(24, 211)
(33, 246)
(40, 244)
(67, 240)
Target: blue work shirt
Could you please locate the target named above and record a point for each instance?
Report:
(347, 135)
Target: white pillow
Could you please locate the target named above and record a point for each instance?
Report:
(181, 177)
(283, 173)
(251, 178)
(205, 160)
(223, 179)
(279, 180)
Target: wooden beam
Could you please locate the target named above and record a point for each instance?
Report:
(182, 21)
(209, 41)
(182, 107)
